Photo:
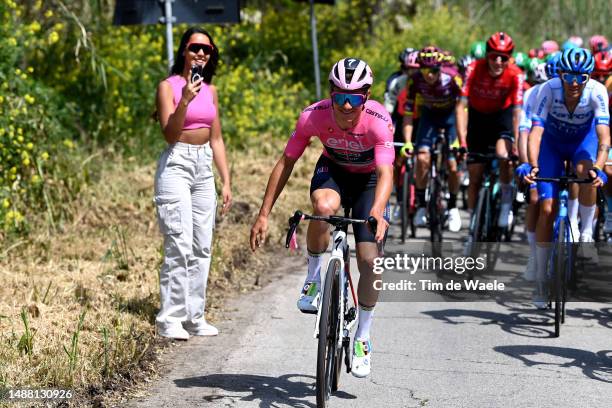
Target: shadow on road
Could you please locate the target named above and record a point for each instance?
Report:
(521, 322)
(290, 389)
(526, 324)
(597, 366)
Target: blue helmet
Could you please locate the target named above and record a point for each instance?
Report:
(568, 45)
(577, 60)
(552, 65)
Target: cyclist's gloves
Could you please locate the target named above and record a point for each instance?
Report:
(600, 173)
(523, 170)
(406, 149)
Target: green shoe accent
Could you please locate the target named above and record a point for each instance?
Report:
(362, 348)
(312, 289)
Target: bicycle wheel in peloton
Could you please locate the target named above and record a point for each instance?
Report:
(435, 217)
(494, 234)
(405, 202)
(560, 264)
(327, 351)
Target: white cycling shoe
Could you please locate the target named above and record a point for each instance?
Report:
(454, 220)
(588, 250)
(420, 218)
(540, 297)
(362, 354)
(505, 215)
(309, 297)
(530, 272)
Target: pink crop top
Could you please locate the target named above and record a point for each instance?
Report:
(201, 111)
(359, 149)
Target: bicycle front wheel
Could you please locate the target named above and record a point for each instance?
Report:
(558, 277)
(329, 331)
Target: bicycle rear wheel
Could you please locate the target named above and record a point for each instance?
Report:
(435, 216)
(329, 330)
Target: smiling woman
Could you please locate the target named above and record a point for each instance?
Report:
(184, 185)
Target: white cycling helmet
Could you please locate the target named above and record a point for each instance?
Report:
(539, 74)
(350, 74)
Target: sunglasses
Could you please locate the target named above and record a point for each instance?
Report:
(569, 78)
(494, 56)
(354, 100)
(426, 71)
(196, 47)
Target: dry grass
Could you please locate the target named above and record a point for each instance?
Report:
(105, 264)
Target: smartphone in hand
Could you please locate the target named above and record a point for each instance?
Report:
(196, 72)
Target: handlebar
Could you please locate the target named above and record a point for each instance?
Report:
(565, 179)
(494, 156)
(334, 220)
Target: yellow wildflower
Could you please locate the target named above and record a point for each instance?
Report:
(29, 98)
(44, 156)
(53, 37)
(48, 13)
(6, 203)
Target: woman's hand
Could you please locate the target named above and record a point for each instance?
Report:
(226, 193)
(190, 90)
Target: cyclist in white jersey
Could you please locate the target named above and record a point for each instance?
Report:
(570, 122)
(542, 73)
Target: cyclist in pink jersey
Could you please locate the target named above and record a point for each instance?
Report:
(354, 171)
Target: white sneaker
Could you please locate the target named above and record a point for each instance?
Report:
(420, 218)
(361, 365)
(608, 224)
(454, 220)
(505, 215)
(530, 272)
(520, 197)
(588, 250)
(540, 297)
(200, 327)
(172, 331)
(309, 297)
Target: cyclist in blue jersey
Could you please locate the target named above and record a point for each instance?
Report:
(571, 122)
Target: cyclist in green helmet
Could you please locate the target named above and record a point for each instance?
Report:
(478, 49)
(521, 60)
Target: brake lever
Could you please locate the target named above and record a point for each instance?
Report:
(294, 221)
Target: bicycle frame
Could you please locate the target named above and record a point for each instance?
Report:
(340, 252)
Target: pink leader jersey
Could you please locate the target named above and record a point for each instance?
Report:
(359, 149)
(201, 111)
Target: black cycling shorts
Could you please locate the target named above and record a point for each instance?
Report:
(485, 129)
(356, 190)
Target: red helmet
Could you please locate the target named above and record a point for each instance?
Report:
(598, 43)
(500, 42)
(430, 57)
(536, 53)
(603, 63)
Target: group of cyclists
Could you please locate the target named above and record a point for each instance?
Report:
(547, 106)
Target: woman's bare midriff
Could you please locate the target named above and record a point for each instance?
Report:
(195, 136)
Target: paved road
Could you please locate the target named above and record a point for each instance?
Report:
(433, 354)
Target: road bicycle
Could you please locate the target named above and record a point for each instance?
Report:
(406, 196)
(338, 311)
(561, 265)
(483, 223)
(437, 187)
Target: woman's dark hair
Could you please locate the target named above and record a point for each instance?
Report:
(179, 61)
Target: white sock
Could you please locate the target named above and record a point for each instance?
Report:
(532, 241)
(506, 189)
(542, 255)
(314, 267)
(572, 210)
(365, 321)
(586, 216)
